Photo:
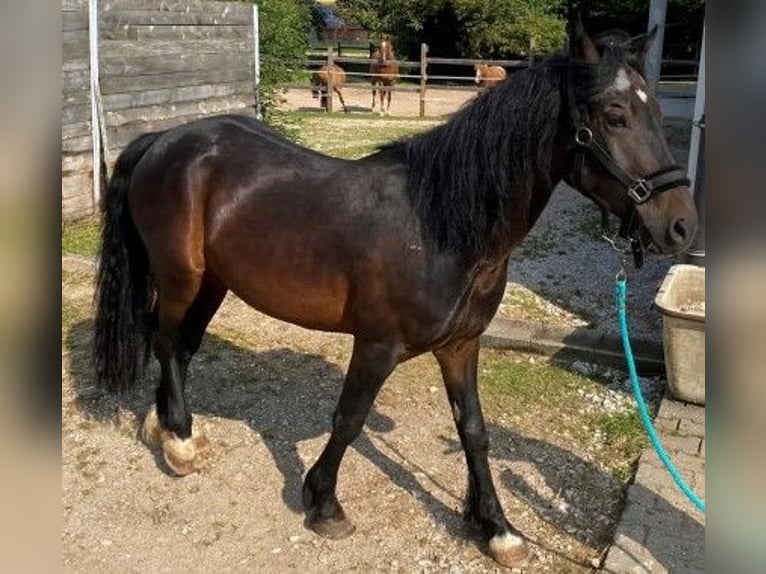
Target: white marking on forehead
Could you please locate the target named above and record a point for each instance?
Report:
(621, 81)
(641, 95)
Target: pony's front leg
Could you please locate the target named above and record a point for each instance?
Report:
(458, 362)
(383, 91)
(371, 363)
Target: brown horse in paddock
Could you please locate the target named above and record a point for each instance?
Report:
(385, 73)
(488, 76)
(320, 81)
(406, 249)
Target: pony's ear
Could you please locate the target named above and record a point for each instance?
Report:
(640, 45)
(580, 44)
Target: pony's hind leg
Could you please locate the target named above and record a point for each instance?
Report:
(458, 362)
(184, 308)
(342, 102)
(371, 363)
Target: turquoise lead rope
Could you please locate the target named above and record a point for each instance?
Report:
(620, 292)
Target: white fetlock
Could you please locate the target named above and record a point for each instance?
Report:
(180, 454)
(152, 432)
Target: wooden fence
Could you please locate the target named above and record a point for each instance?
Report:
(422, 77)
(161, 63)
(418, 71)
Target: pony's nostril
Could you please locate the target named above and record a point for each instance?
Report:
(679, 231)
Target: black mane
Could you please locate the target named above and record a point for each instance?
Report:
(463, 175)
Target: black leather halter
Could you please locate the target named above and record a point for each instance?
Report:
(638, 190)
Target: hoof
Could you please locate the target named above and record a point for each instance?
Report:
(180, 455)
(509, 550)
(333, 528)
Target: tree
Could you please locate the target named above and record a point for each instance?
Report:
(474, 28)
(283, 27)
(510, 27)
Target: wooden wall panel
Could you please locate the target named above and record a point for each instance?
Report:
(161, 63)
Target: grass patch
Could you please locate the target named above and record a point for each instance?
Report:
(74, 309)
(559, 405)
(509, 382)
(525, 303)
(339, 135)
(81, 237)
(622, 433)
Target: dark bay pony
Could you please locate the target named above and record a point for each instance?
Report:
(406, 249)
(385, 73)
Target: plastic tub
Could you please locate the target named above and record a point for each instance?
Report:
(681, 299)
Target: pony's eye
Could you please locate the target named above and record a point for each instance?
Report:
(616, 120)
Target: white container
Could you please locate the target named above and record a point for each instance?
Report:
(681, 299)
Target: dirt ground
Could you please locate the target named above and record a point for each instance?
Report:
(264, 391)
(359, 101)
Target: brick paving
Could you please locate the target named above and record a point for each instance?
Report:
(660, 529)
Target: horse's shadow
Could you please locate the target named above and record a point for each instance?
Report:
(287, 397)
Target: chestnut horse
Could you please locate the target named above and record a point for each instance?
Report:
(320, 81)
(488, 76)
(385, 72)
(406, 249)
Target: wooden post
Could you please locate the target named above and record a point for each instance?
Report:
(531, 51)
(423, 77)
(330, 61)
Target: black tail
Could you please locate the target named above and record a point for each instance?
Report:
(124, 287)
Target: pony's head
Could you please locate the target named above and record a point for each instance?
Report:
(481, 70)
(622, 160)
(385, 49)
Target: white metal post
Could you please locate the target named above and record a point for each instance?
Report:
(699, 111)
(95, 128)
(257, 62)
(696, 171)
(657, 11)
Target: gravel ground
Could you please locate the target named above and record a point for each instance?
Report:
(263, 392)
